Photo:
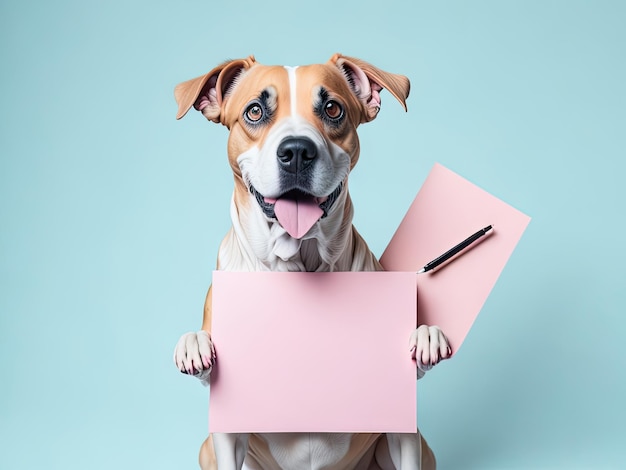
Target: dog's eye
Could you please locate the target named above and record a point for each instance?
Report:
(254, 113)
(333, 110)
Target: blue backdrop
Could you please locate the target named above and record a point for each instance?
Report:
(111, 213)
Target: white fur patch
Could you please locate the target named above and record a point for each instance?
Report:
(291, 72)
(312, 451)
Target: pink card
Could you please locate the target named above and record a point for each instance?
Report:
(313, 352)
(447, 210)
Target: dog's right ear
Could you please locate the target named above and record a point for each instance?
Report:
(208, 92)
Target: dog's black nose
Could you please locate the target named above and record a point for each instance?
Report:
(296, 153)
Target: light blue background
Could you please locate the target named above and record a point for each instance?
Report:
(111, 213)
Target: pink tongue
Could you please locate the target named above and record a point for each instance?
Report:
(297, 216)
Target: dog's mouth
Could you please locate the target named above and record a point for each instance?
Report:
(296, 210)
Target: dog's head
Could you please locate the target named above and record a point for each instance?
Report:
(293, 134)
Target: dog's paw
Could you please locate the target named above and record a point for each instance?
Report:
(195, 355)
(429, 346)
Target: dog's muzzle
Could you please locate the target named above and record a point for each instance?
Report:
(296, 209)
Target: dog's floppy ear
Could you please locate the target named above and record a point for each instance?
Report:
(367, 81)
(208, 92)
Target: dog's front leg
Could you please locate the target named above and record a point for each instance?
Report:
(230, 450)
(194, 353)
(407, 452)
(404, 450)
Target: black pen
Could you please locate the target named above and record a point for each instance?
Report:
(455, 250)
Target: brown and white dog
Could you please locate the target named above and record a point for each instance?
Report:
(291, 147)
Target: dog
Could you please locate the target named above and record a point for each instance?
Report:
(291, 147)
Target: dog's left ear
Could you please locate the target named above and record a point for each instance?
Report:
(367, 81)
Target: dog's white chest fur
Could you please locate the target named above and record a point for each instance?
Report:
(313, 451)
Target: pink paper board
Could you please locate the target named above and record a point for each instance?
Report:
(447, 210)
(313, 352)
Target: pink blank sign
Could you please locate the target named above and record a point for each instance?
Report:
(313, 352)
